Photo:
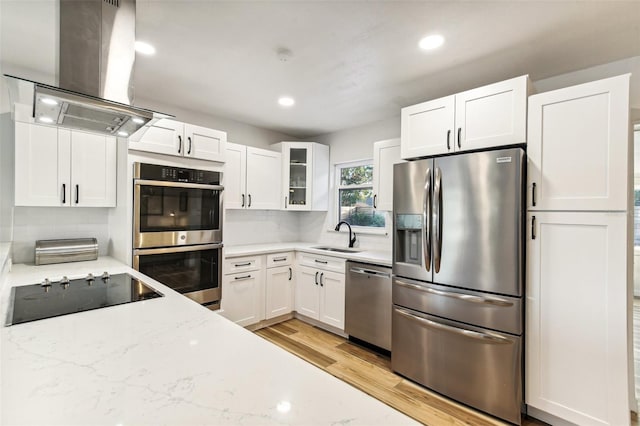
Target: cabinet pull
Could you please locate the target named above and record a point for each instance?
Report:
(448, 138)
(324, 262)
(249, 204)
(64, 193)
(533, 227)
(321, 275)
(189, 150)
(77, 194)
(280, 259)
(242, 264)
(459, 137)
(316, 277)
(242, 201)
(244, 277)
(290, 273)
(375, 198)
(533, 194)
(285, 202)
(179, 144)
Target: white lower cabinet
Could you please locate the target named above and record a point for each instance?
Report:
(279, 285)
(319, 291)
(243, 290)
(576, 360)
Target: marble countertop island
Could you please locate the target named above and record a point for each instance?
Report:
(164, 361)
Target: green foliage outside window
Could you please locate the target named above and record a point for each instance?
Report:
(356, 197)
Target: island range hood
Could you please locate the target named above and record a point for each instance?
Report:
(96, 64)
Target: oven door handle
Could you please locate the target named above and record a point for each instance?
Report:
(178, 184)
(179, 249)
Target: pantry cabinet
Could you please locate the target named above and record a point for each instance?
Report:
(252, 178)
(385, 155)
(488, 116)
(578, 147)
(320, 290)
(305, 175)
(171, 137)
(60, 167)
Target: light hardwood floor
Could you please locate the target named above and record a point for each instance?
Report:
(371, 372)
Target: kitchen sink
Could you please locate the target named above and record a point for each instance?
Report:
(337, 249)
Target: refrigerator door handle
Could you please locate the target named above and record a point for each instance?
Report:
(437, 195)
(485, 337)
(426, 218)
(465, 297)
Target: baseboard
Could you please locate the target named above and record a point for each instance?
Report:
(269, 322)
(321, 325)
(547, 418)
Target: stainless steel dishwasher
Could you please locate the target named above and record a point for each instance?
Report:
(368, 303)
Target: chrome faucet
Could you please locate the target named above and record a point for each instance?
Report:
(352, 240)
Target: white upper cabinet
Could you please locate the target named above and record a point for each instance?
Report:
(578, 147)
(305, 175)
(492, 115)
(60, 167)
(175, 138)
(385, 155)
(252, 178)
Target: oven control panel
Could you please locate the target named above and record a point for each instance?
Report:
(175, 174)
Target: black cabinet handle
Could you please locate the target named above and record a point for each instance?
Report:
(324, 262)
(316, 277)
(77, 194)
(242, 201)
(242, 264)
(244, 277)
(459, 137)
(375, 204)
(64, 193)
(179, 144)
(189, 150)
(285, 202)
(533, 194)
(533, 227)
(249, 205)
(321, 275)
(290, 274)
(448, 139)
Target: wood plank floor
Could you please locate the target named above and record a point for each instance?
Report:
(371, 372)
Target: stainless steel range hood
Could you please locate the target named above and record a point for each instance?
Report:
(97, 56)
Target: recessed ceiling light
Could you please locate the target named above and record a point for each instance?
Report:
(145, 48)
(46, 119)
(431, 42)
(137, 120)
(286, 101)
(123, 134)
(49, 101)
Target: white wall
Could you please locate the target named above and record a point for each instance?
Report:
(6, 177)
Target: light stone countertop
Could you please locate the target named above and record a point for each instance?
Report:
(376, 257)
(164, 361)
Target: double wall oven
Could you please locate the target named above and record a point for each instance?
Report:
(177, 224)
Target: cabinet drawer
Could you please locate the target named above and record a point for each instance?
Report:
(326, 263)
(279, 259)
(242, 264)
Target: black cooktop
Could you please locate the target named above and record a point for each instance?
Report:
(54, 298)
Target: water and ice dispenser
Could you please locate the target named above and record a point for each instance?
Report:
(409, 234)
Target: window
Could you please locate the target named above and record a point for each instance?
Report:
(355, 195)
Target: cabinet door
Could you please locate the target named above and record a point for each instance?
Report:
(427, 128)
(93, 170)
(235, 176)
(164, 137)
(241, 297)
(297, 175)
(385, 155)
(579, 146)
(279, 291)
(492, 115)
(332, 299)
(307, 293)
(203, 143)
(263, 179)
(576, 361)
(42, 169)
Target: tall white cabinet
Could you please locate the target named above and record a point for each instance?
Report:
(578, 254)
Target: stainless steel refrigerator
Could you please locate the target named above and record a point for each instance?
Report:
(458, 286)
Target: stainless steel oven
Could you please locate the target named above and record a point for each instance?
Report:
(177, 223)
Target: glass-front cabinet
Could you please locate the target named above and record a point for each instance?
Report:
(305, 175)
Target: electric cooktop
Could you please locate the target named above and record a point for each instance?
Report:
(51, 299)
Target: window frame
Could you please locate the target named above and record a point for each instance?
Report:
(337, 170)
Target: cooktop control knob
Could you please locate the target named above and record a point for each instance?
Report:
(46, 283)
(64, 282)
(105, 276)
(90, 278)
